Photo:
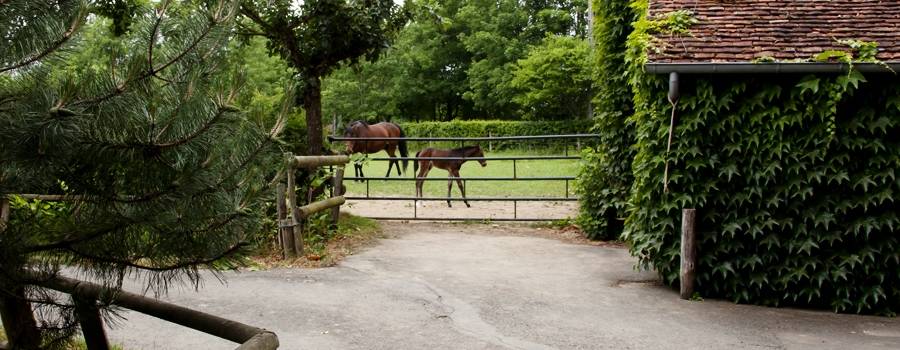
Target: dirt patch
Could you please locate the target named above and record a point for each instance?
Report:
(479, 210)
(568, 234)
(351, 238)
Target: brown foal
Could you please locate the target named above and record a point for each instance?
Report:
(452, 166)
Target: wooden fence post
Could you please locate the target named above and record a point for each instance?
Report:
(91, 323)
(338, 190)
(285, 228)
(4, 212)
(688, 252)
(296, 235)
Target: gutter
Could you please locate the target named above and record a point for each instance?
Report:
(769, 68)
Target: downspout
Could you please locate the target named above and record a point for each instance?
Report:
(674, 94)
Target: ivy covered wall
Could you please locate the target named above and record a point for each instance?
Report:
(605, 175)
(794, 177)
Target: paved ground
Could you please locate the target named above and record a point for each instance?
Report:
(442, 286)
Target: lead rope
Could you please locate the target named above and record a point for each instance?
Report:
(669, 147)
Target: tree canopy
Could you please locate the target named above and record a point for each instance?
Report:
(314, 37)
(457, 60)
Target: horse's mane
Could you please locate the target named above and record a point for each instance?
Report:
(363, 122)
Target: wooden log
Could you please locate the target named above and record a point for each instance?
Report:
(91, 324)
(312, 208)
(206, 323)
(688, 252)
(261, 341)
(285, 226)
(18, 319)
(311, 162)
(338, 181)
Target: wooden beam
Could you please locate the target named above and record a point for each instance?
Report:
(91, 323)
(310, 162)
(206, 323)
(688, 252)
(312, 208)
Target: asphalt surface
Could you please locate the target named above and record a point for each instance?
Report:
(443, 286)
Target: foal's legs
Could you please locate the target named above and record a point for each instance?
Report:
(462, 188)
(420, 178)
(449, 188)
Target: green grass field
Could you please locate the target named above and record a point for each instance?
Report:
(524, 168)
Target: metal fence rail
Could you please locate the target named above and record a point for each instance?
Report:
(485, 138)
(515, 177)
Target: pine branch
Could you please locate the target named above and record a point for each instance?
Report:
(56, 45)
(121, 88)
(68, 242)
(153, 32)
(195, 134)
(188, 264)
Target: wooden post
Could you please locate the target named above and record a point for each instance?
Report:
(285, 228)
(688, 252)
(4, 212)
(296, 235)
(338, 191)
(91, 324)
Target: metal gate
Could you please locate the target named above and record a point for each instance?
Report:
(566, 140)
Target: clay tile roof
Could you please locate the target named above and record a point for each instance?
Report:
(743, 30)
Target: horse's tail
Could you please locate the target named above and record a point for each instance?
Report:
(415, 164)
(404, 152)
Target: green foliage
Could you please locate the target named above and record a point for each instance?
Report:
(794, 178)
(453, 61)
(864, 51)
(315, 37)
(676, 22)
(605, 177)
(554, 80)
(165, 173)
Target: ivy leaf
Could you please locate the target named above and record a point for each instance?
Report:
(809, 83)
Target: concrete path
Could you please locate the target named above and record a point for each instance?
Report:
(445, 286)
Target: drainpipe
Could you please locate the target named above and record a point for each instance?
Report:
(769, 68)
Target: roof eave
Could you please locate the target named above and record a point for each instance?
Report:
(768, 68)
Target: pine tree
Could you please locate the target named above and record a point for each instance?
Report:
(162, 175)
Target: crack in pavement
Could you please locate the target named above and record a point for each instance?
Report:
(464, 317)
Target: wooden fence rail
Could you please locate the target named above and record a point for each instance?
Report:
(290, 213)
(87, 294)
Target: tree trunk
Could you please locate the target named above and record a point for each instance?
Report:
(312, 104)
(18, 321)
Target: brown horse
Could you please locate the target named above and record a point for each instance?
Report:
(452, 166)
(362, 129)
